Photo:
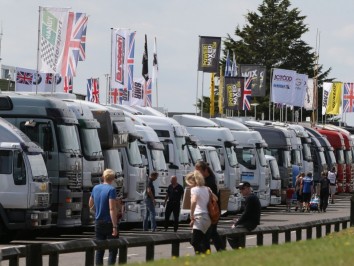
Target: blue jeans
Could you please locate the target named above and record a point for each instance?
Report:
(149, 213)
(103, 232)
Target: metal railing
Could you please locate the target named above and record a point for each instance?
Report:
(34, 252)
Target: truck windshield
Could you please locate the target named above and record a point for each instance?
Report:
(90, 143)
(246, 157)
(182, 153)
(274, 169)
(231, 156)
(348, 157)
(133, 152)
(322, 157)
(261, 156)
(158, 160)
(282, 156)
(306, 151)
(215, 161)
(295, 157)
(194, 153)
(340, 156)
(37, 165)
(68, 139)
(332, 157)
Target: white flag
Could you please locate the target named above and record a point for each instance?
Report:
(308, 102)
(155, 65)
(327, 86)
(52, 36)
(283, 86)
(300, 90)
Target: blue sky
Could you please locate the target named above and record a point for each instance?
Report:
(176, 24)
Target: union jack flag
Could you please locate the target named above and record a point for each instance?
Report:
(24, 78)
(123, 95)
(247, 92)
(82, 48)
(68, 84)
(114, 96)
(93, 91)
(148, 92)
(76, 23)
(130, 60)
(49, 78)
(348, 98)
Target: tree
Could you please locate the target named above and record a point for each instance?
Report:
(272, 37)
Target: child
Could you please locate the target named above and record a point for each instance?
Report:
(289, 196)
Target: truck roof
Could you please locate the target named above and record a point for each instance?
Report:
(163, 123)
(82, 113)
(230, 124)
(274, 137)
(14, 105)
(250, 138)
(194, 121)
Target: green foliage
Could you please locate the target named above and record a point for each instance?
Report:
(272, 37)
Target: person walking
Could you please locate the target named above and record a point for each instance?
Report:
(103, 199)
(298, 191)
(307, 190)
(210, 181)
(173, 199)
(251, 215)
(324, 191)
(199, 215)
(150, 202)
(332, 176)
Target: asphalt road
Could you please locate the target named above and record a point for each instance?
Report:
(270, 216)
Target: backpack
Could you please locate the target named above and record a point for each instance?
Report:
(213, 208)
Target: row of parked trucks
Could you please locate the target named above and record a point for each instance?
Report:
(54, 148)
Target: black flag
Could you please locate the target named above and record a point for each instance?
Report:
(145, 71)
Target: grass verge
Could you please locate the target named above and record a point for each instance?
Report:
(333, 249)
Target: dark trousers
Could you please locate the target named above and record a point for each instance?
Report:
(212, 234)
(172, 207)
(324, 200)
(198, 241)
(103, 231)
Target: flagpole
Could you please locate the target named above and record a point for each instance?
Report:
(109, 76)
(270, 94)
(38, 41)
(202, 102)
(196, 99)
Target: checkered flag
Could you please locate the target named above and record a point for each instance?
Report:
(47, 53)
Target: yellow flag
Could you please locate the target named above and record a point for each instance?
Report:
(212, 96)
(221, 93)
(334, 99)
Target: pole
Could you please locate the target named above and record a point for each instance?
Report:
(270, 94)
(38, 41)
(196, 99)
(111, 75)
(202, 102)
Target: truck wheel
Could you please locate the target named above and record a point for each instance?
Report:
(5, 235)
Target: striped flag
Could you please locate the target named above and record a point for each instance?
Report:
(130, 62)
(234, 67)
(76, 23)
(148, 91)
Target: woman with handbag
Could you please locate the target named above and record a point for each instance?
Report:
(199, 216)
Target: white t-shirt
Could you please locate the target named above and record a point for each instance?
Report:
(202, 194)
(332, 177)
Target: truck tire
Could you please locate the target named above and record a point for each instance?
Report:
(5, 235)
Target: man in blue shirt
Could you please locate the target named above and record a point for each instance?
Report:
(103, 198)
(307, 190)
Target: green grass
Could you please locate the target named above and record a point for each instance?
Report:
(334, 249)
